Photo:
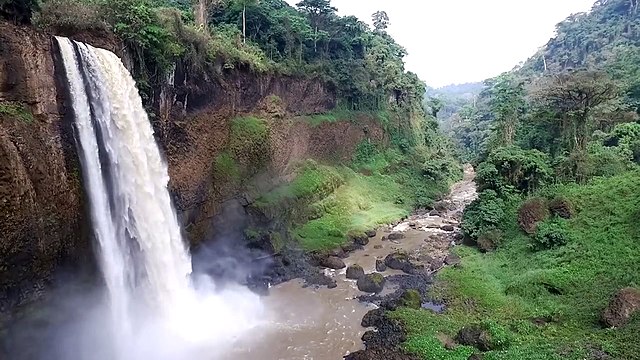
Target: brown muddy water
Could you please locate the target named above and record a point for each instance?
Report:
(324, 324)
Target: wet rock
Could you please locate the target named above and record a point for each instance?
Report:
(448, 228)
(380, 265)
(399, 261)
(355, 272)
(350, 247)
(395, 236)
(360, 239)
(435, 213)
(620, 309)
(381, 353)
(371, 283)
(476, 335)
(384, 238)
(339, 252)
(413, 225)
(444, 206)
(333, 262)
(452, 260)
(436, 264)
(378, 247)
(371, 233)
(373, 318)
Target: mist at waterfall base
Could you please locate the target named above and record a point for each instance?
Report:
(153, 306)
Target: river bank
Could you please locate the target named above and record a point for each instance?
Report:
(327, 323)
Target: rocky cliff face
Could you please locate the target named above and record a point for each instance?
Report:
(41, 199)
(43, 223)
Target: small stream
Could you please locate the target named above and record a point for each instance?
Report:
(324, 324)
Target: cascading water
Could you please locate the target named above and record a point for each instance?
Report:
(143, 257)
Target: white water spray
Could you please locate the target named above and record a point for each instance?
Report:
(155, 310)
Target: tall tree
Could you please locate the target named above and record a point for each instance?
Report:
(576, 97)
(318, 12)
(380, 20)
(506, 102)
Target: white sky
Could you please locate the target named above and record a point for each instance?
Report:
(466, 40)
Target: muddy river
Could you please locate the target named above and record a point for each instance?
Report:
(324, 324)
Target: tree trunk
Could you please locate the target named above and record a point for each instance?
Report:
(244, 24)
(200, 13)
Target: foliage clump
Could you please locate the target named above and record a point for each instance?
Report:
(15, 110)
(484, 214)
(531, 213)
(513, 169)
(249, 142)
(550, 234)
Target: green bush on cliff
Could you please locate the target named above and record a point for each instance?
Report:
(15, 110)
(249, 143)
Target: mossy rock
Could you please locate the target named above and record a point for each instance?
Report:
(355, 272)
(371, 283)
(412, 299)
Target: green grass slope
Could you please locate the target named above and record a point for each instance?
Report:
(545, 304)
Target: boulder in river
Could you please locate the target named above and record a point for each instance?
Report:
(380, 265)
(399, 261)
(355, 272)
(448, 228)
(360, 239)
(371, 233)
(395, 236)
(620, 309)
(333, 262)
(373, 318)
(371, 283)
(349, 247)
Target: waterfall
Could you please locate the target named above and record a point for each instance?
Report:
(143, 258)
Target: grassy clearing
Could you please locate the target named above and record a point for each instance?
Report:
(567, 286)
(362, 203)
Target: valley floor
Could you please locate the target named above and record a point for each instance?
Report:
(544, 304)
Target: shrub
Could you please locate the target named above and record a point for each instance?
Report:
(249, 142)
(550, 234)
(512, 168)
(16, 110)
(561, 207)
(484, 214)
(71, 15)
(532, 212)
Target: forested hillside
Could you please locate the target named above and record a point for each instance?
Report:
(551, 271)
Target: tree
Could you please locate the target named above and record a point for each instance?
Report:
(318, 12)
(380, 20)
(576, 97)
(506, 103)
(435, 105)
(201, 9)
(19, 11)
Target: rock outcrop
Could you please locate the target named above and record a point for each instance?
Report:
(620, 309)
